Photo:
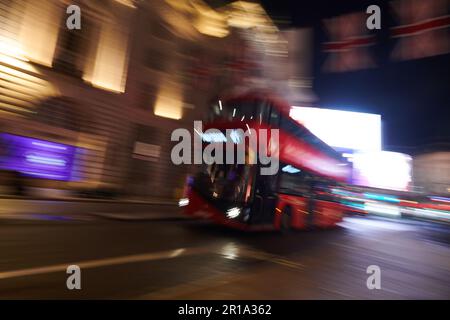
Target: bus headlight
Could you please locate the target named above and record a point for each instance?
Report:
(233, 212)
(183, 202)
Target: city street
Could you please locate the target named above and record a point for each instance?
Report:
(189, 259)
(192, 150)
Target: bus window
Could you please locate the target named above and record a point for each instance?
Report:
(322, 190)
(294, 129)
(267, 185)
(263, 112)
(274, 119)
(295, 182)
(244, 110)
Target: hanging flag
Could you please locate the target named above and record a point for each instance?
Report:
(422, 30)
(348, 48)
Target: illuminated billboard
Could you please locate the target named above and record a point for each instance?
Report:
(341, 129)
(384, 170)
(37, 158)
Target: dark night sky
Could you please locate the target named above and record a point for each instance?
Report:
(411, 96)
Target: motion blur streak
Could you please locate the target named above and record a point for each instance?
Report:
(100, 262)
(219, 264)
(92, 92)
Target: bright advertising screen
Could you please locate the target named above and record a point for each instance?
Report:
(384, 170)
(341, 129)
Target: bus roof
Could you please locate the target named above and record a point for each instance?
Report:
(283, 107)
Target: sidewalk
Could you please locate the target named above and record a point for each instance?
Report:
(82, 209)
(79, 199)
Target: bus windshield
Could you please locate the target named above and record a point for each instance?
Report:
(227, 182)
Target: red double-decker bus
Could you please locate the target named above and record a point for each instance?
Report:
(297, 196)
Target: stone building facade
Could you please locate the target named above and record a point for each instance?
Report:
(116, 88)
(431, 172)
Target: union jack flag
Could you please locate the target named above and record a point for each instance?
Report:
(348, 48)
(422, 31)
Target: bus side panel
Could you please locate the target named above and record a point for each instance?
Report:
(201, 208)
(197, 206)
(299, 210)
(327, 214)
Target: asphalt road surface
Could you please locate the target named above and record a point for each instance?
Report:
(185, 259)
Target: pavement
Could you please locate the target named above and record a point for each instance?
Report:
(76, 209)
(194, 259)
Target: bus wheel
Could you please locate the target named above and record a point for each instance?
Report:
(286, 221)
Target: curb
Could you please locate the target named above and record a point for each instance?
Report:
(87, 217)
(117, 201)
(141, 217)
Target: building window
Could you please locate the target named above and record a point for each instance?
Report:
(147, 97)
(60, 112)
(72, 48)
